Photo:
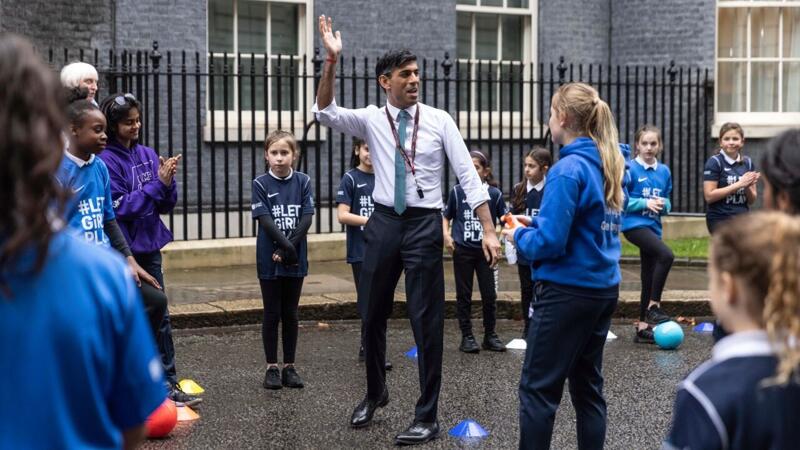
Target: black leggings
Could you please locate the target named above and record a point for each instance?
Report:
(281, 297)
(467, 261)
(656, 260)
(526, 291)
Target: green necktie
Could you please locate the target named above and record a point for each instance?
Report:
(400, 166)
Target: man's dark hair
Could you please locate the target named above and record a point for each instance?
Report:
(393, 59)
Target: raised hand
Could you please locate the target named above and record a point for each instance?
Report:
(332, 41)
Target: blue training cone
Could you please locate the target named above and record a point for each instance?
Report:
(704, 327)
(412, 353)
(468, 429)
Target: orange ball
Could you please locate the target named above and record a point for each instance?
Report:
(162, 420)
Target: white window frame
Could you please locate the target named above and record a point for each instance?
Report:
(755, 124)
(510, 119)
(306, 26)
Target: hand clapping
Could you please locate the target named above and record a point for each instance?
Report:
(167, 168)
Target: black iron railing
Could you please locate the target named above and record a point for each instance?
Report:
(215, 109)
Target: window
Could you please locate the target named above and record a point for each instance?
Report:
(495, 44)
(256, 36)
(758, 61)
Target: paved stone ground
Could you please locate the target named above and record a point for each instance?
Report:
(238, 413)
(240, 282)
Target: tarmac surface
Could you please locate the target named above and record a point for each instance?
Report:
(640, 382)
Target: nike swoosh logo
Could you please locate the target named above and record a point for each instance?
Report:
(361, 185)
(728, 169)
(642, 179)
(272, 195)
(76, 190)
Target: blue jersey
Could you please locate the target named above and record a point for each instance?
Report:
(533, 199)
(467, 229)
(285, 200)
(644, 183)
(725, 174)
(727, 402)
(79, 361)
(91, 204)
(355, 191)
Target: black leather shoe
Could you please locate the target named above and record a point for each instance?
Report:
(363, 413)
(468, 344)
(387, 366)
(418, 433)
(493, 343)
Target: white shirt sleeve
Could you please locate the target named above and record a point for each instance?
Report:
(344, 120)
(461, 163)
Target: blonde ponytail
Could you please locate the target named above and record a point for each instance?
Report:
(762, 252)
(782, 302)
(589, 115)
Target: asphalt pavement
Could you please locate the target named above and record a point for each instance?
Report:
(640, 382)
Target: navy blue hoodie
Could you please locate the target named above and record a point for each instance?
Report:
(574, 240)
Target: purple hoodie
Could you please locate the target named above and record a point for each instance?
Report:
(139, 196)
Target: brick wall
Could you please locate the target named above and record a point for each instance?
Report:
(576, 29)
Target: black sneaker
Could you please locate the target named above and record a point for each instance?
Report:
(290, 378)
(272, 379)
(361, 354)
(182, 398)
(468, 344)
(644, 336)
(387, 365)
(493, 343)
(655, 316)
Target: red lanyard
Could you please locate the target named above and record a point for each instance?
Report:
(409, 161)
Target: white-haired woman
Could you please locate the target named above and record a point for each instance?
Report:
(80, 74)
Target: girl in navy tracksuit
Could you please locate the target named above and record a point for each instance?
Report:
(574, 247)
(527, 198)
(468, 258)
(649, 185)
(729, 178)
(283, 205)
(748, 395)
(354, 207)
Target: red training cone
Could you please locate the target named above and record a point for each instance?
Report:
(162, 420)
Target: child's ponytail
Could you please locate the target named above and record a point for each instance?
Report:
(782, 302)
(591, 116)
(767, 265)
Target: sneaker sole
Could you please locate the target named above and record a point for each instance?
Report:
(273, 387)
(477, 350)
(194, 402)
(498, 350)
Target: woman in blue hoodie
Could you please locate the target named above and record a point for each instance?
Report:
(142, 188)
(574, 247)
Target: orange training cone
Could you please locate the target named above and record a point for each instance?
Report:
(186, 414)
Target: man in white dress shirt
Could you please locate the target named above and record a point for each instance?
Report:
(408, 143)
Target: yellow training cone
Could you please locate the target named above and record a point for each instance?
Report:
(190, 387)
(186, 414)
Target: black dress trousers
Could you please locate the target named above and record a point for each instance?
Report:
(411, 242)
